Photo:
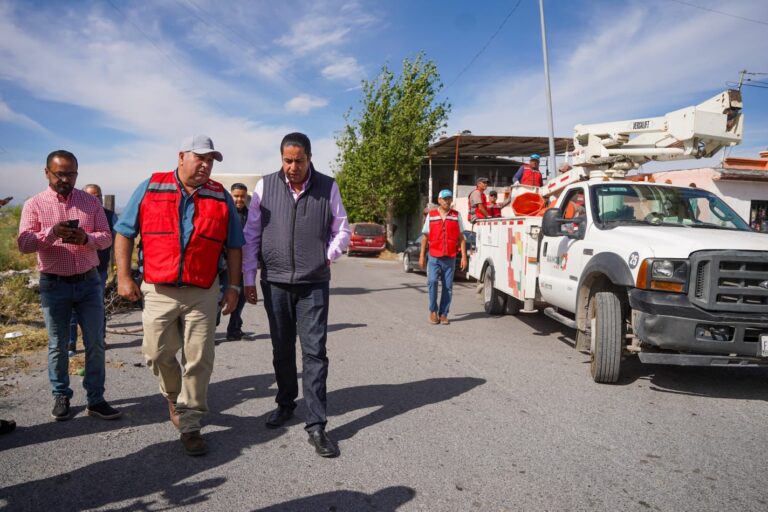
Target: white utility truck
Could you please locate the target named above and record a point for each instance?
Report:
(669, 273)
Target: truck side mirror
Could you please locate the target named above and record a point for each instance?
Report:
(554, 225)
(549, 224)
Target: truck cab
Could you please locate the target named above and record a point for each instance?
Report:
(670, 273)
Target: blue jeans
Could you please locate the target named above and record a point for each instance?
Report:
(443, 269)
(58, 299)
(73, 322)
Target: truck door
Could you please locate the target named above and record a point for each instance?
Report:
(561, 257)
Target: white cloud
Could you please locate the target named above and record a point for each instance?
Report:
(7, 115)
(651, 59)
(303, 103)
(345, 69)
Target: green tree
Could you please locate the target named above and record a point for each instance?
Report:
(381, 150)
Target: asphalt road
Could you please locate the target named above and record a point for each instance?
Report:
(485, 414)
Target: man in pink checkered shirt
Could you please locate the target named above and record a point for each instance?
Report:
(65, 227)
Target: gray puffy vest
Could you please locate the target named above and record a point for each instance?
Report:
(295, 234)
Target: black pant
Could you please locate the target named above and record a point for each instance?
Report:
(302, 309)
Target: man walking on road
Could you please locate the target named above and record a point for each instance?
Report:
(66, 227)
(235, 325)
(104, 256)
(185, 219)
(296, 227)
(444, 231)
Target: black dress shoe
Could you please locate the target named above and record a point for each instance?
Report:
(323, 444)
(279, 416)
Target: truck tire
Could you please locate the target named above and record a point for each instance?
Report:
(407, 268)
(493, 299)
(607, 335)
(513, 306)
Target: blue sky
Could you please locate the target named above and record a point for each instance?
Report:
(120, 83)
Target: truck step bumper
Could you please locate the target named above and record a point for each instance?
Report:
(700, 360)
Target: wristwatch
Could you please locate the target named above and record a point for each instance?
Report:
(235, 287)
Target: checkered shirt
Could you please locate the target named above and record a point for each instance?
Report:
(46, 209)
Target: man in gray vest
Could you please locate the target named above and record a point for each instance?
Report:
(296, 227)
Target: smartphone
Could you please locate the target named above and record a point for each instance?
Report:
(74, 223)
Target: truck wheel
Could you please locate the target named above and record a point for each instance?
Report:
(513, 306)
(407, 264)
(493, 299)
(607, 336)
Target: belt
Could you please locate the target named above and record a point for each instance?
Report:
(70, 279)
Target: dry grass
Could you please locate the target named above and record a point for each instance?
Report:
(389, 255)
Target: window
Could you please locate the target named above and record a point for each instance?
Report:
(758, 216)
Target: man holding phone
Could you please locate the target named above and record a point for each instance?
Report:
(65, 227)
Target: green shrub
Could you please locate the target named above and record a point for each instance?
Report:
(10, 257)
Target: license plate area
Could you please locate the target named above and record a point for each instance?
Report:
(764, 345)
(369, 240)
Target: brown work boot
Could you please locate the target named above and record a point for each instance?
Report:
(433, 318)
(193, 443)
(444, 320)
(173, 414)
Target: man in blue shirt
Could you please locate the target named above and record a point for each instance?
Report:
(181, 248)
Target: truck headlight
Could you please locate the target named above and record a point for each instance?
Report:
(665, 274)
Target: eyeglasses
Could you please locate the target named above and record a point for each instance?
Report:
(63, 175)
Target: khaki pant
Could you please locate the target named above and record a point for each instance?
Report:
(181, 318)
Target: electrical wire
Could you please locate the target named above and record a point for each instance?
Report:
(689, 4)
(485, 46)
(208, 19)
(163, 53)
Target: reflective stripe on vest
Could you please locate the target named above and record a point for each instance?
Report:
(443, 234)
(160, 228)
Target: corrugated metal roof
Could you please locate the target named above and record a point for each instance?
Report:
(496, 145)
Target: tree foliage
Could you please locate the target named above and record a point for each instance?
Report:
(381, 150)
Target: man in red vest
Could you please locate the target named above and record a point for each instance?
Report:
(478, 203)
(185, 219)
(444, 231)
(494, 208)
(529, 174)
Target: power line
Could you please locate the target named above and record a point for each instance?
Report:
(212, 20)
(689, 4)
(485, 46)
(163, 52)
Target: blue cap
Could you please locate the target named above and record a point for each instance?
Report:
(535, 156)
(445, 193)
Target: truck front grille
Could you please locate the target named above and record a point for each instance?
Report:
(730, 281)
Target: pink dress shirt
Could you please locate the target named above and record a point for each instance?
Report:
(46, 209)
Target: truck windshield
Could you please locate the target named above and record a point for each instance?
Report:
(656, 205)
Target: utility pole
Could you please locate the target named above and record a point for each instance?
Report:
(552, 163)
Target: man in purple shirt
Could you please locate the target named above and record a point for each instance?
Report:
(296, 227)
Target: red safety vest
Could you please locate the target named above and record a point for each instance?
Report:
(164, 261)
(443, 234)
(474, 209)
(531, 177)
(494, 211)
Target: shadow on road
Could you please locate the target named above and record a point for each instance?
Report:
(163, 468)
(393, 400)
(388, 499)
(350, 290)
(715, 382)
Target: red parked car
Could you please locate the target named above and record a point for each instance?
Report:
(367, 239)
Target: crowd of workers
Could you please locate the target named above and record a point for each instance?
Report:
(199, 252)
(200, 249)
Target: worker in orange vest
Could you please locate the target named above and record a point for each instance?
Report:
(529, 174)
(494, 208)
(478, 202)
